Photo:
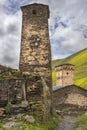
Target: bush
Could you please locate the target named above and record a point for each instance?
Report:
(8, 108)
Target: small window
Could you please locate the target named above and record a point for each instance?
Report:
(65, 94)
(67, 73)
(34, 11)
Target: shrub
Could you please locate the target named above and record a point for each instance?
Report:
(8, 108)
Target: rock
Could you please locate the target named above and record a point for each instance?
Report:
(11, 125)
(19, 116)
(30, 119)
(11, 118)
(2, 111)
(24, 104)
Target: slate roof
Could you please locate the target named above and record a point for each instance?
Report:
(64, 64)
(55, 88)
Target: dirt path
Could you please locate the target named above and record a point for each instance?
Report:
(67, 124)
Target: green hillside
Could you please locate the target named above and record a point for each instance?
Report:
(78, 59)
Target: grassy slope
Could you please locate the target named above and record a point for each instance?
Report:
(78, 59)
(81, 122)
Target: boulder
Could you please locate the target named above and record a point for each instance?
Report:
(19, 116)
(2, 111)
(29, 119)
(11, 125)
(24, 104)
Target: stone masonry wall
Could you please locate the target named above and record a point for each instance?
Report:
(31, 89)
(70, 98)
(35, 31)
(35, 56)
(10, 91)
(64, 75)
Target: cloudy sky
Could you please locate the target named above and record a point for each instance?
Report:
(67, 28)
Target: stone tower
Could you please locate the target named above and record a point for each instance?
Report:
(35, 54)
(64, 75)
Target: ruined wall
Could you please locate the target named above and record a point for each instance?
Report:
(38, 96)
(10, 91)
(3, 93)
(29, 88)
(70, 99)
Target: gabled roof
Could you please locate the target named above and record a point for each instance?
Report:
(68, 64)
(56, 88)
(24, 6)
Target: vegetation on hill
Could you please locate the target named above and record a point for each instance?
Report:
(78, 59)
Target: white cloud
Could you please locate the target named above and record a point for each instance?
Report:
(69, 39)
(2, 1)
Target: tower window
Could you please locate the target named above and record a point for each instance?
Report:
(65, 94)
(67, 73)
(34, 11)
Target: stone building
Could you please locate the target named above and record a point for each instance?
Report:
(70, 99)
(64, 75)
(35, 55)
(31, 85)
(67, 97)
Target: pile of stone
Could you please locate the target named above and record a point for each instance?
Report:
(13, 124)
(1, 111)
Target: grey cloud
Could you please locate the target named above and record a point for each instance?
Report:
(10, 34)
(2, 32)
(13, 28)
(10, 55)
(10, 29)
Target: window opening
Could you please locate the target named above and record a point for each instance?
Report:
(67, 73)
(34, 11)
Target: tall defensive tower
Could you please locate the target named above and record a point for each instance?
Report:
(35, 55)
(64, 75)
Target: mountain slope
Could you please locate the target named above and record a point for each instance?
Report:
(78, 59)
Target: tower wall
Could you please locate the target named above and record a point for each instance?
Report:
(35, 44)
(64, 75)
(35, 54)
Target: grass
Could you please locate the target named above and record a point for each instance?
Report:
(1, 124)
(50, 124)
(81, 122)
(82, 82)
(53, 77)
(78, 59)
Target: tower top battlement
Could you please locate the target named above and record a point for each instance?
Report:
(38, 10)
(65, 67)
